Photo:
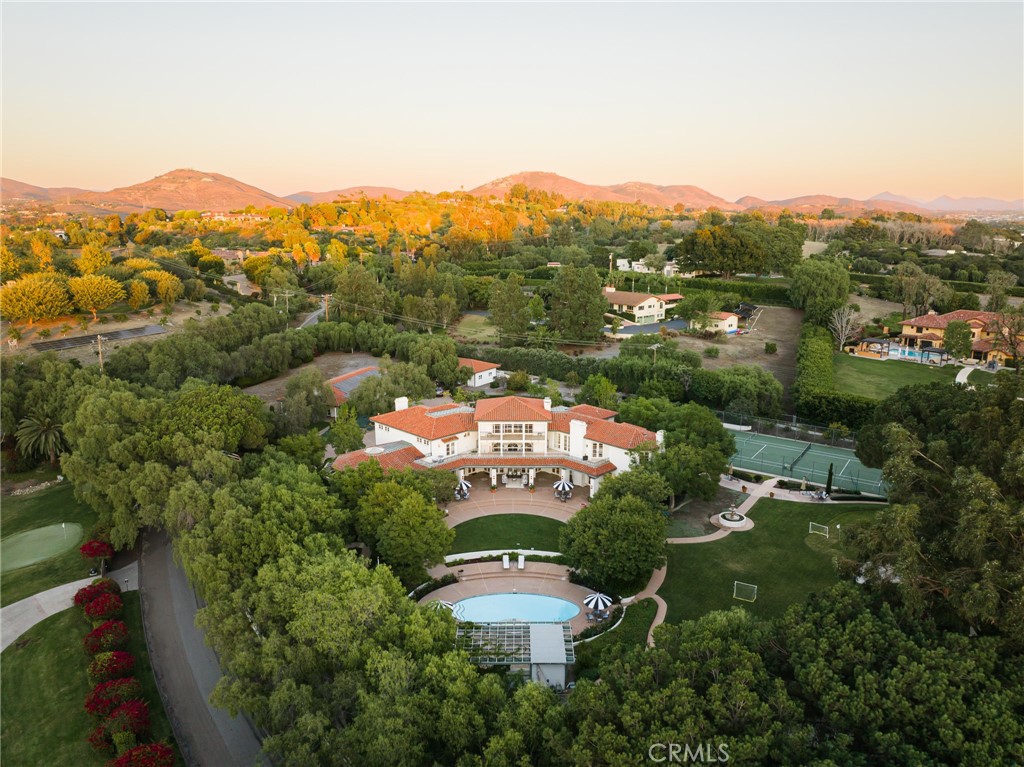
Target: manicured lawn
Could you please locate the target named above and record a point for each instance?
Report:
(42, 716)
(692, 519)
(632, 632)
(778, 556)
(28, 512)
(507, 531)
(880, 378)
(475, 327)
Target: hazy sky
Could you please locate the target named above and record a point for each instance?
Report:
(767, 99)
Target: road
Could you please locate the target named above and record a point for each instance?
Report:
(186, 668)
(312, 319)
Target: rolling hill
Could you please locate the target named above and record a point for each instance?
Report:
(348, 193)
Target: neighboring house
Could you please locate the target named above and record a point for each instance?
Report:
(510, 439)
(671, 300)
(343, 385)
(644, 308)
(928, 332)
(483, 372)
(727, 322)
(625, 265)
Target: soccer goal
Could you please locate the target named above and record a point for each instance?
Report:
(746, 592)
(814, 527)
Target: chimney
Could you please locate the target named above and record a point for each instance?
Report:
(609, 288)
(547, 403)
(577, 433)
(932, 312)
(401, 403)
(659, 437)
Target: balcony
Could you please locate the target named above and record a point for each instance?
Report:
(511, 437)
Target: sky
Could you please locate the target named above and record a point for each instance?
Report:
(766, 99)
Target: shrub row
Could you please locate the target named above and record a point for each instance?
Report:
(814, 392)
(116, 696)
(884, 280)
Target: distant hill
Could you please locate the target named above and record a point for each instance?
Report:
(372, 192)
(187, 189)
(951, 204)
(12, 191)
(631, 191)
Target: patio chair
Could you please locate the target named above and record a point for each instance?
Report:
(504, 562)
(522, 561)
(590, 616)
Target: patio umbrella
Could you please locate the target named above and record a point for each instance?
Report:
(464, 486)
(440, 604)
(563, 485)
(597, 601)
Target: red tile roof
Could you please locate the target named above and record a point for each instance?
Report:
(342, 391)
(624, 435)
(723, 315)
(478, 366)
(593, 412)
(626, 298)
(429, 422)
(389, 460)
(538, 461)
(670, 297)
(511, 409)
(940, 321)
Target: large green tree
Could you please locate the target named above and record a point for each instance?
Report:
(41, 296)
(957, 339)
(615, 542)
(819, 288)
(577, 304)
(509, 307)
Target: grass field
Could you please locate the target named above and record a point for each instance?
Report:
(42, 718)
(778, 556)
(27, 512)
(475, 327)
(880, 378)
(632, 632)
(507, 531)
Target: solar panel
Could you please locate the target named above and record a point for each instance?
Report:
(114, 335)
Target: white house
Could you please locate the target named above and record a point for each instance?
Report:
(644, 307)
(514, 440)
(483, 372)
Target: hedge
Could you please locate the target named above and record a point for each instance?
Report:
(100, 586)
(111, 665)
(106, 696)
(104, 607)
(814, 392)
(146, 755)
(112, 635)
(883, 281)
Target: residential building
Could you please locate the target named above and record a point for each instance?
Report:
(988, 344)
(643, 308)
(512, 440)
(343, 385)
(483, 372)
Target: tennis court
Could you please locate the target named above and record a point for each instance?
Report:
(799, 460)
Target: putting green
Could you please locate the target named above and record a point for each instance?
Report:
(24, 549)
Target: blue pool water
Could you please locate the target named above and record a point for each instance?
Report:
(491, 608)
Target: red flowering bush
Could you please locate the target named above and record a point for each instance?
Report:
(100, 586)
(146, 755)
(111, 665)
(130, 716)
(96, 550)
(112, 635)
(104, 607)
(100, 741)
(106, 696)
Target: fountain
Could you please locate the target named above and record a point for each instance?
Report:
(731, 519)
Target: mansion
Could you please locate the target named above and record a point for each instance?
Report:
(513, 440)
(990, 340)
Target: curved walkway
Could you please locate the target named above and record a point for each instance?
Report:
(19, 617)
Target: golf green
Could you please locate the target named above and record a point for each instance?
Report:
(23, 549)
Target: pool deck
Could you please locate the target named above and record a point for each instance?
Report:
(490, 578)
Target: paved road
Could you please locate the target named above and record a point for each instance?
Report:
(19, 617)
(313, 318)
(186, 668)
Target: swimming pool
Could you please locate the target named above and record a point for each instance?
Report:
(491, 608)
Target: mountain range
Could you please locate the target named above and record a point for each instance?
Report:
(186, 189)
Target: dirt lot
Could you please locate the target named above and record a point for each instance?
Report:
(330, 364)
(773, 323)
(87, 354)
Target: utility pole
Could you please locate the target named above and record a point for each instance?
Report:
(99, 347)
(655, 347)
(327, 306)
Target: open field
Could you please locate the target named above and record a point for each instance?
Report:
(44, 686)
(507, 531)
(880, 378)
(778, 556)
(40, 509)
(475, 328)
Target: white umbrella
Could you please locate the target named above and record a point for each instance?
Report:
(464, 486)
(597, 601)
(440, 604)
(563, 485)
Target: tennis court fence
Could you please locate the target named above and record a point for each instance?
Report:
(792, 428)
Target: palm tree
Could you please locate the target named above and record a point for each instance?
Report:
(40, 434)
